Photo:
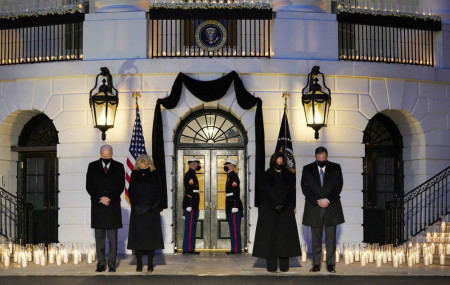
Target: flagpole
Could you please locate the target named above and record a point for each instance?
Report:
(285, 96)
(136, 95)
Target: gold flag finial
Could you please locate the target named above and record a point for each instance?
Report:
(136, 95)
(285, 96)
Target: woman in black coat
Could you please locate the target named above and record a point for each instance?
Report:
(145, 234)
(276, 237)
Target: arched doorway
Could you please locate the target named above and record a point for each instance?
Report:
(37, 175)
(211, 136)
(382, 172)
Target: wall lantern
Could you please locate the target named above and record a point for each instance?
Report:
(104, 102)
(316, 103)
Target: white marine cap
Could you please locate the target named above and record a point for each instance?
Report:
(230, 161)
(193, 159)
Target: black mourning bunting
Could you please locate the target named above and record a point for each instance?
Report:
(207, 91)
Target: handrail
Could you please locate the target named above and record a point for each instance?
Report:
(411, 213)
(15, 218)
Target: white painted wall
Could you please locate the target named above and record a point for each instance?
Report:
(416, 98)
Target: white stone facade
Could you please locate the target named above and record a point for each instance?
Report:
(416, 98)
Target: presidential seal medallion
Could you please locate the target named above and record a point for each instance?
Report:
(210, 35)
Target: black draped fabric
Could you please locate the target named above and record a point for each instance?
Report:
(207, 91)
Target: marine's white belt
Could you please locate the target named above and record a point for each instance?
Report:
(229, 194)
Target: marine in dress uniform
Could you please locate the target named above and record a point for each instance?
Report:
(233, 206)
(191, 202)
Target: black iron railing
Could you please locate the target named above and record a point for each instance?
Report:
(174, 33)
(410, 214)
(15, 218)
(41, 39)
(386, 39)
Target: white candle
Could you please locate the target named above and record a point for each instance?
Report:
(66, 256)
(30, 256)
(324, 255)
(417, 257)
(443, 227)
(24, 259)
(89, 258)
(338, 255)
(395, 260)
(37, 260)
(410, 260)
(384, 257)
(426, 262)
(6, 259)
(430, 258)
(389, 256)
(51, 257)
(346, 258)
(442, 238)
(428, 238)
(75, 257)
(435, 237)
(351, 255)
(363, 260)
(58, 259)
(16, 256)
(370, 256)
(357, 255)
(42, 260)
(442, 259)
(448, 249)
(379, 259)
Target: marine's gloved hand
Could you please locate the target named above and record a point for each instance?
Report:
(234, 210)
(189, 209)
(279, 208)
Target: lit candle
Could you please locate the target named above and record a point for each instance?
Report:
(338, 255)
(370, 256)
(5, 259)
(89, 258)
(379, 259)
(395, 260)
(442, 238)
(435, 237)
(426, 262)
(324, 255)
(42, 260)
(448, 249)
(442, 259)
(410, 260)
(351, 255)
(428, 238)
(357, 255)
(443, 227)
(389, 256)
(346, 258)
(75, 257)
(16, 256)
(66, 256)
(384, 257)
(430, 258)
(58, 259)
(51, 257)
(363, 260)
(24, 260)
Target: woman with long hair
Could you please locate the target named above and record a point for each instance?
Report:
(145, 234)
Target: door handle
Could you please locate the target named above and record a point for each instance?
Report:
(213, 206)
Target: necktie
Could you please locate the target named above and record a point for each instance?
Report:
(105, 169)
(321, 177)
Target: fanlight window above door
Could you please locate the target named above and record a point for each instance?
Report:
(211, 128)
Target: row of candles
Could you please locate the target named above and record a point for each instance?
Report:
(40, 255)
(387, 7)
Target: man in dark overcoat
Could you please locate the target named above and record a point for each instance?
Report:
(322, 185)
(105, 182)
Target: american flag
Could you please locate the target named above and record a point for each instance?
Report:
(137, 148)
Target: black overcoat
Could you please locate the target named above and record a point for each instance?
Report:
(313, 191)
(145, 192)
(191, 196)
(277, 229)
(111, 185)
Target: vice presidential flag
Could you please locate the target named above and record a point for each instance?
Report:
(137, 148)
(284, 143)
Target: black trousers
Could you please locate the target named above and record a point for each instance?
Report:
(330, 243)
(100, 240)
(140, 253)
(272, 261)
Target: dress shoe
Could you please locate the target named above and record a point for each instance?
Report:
(195, 252)
(272, 271)
(139, 268)
(315, 268)
(112, 269)
(230, 252)
(100, 269)
(284, 270)
(330, 268)
(150, 268)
